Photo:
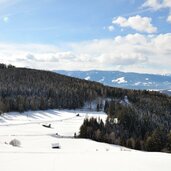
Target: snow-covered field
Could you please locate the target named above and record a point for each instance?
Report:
(36, 153)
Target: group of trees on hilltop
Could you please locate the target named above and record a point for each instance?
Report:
(144, 125)
(4, 66)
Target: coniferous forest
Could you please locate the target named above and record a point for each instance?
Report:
(142, 123)
(135, 119)
(24, 89)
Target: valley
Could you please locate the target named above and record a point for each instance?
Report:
(36, 153)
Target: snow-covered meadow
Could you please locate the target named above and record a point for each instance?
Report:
(36, 153)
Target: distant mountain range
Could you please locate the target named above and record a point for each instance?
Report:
(124, 79)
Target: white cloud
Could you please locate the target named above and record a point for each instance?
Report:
(169, 19)
(138, 23)
(5, 19)
(133, 52)
(111, 28)
(154, 4)
(157, 4)
(167, 3)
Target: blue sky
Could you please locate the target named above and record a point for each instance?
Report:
(122, 35)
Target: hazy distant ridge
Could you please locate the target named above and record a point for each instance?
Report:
(123, 79)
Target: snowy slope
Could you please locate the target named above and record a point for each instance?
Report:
(36, 153)
(123, 79)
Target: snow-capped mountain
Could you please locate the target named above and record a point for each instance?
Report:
(123, 79)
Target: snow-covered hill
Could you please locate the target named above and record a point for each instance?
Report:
(123, 79)
(36, 153)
